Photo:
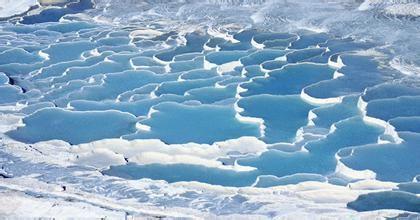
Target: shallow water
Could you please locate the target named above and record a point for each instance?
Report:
(190, 91)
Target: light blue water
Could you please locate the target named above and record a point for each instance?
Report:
(83, 81)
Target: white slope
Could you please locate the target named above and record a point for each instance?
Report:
(10, 8)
